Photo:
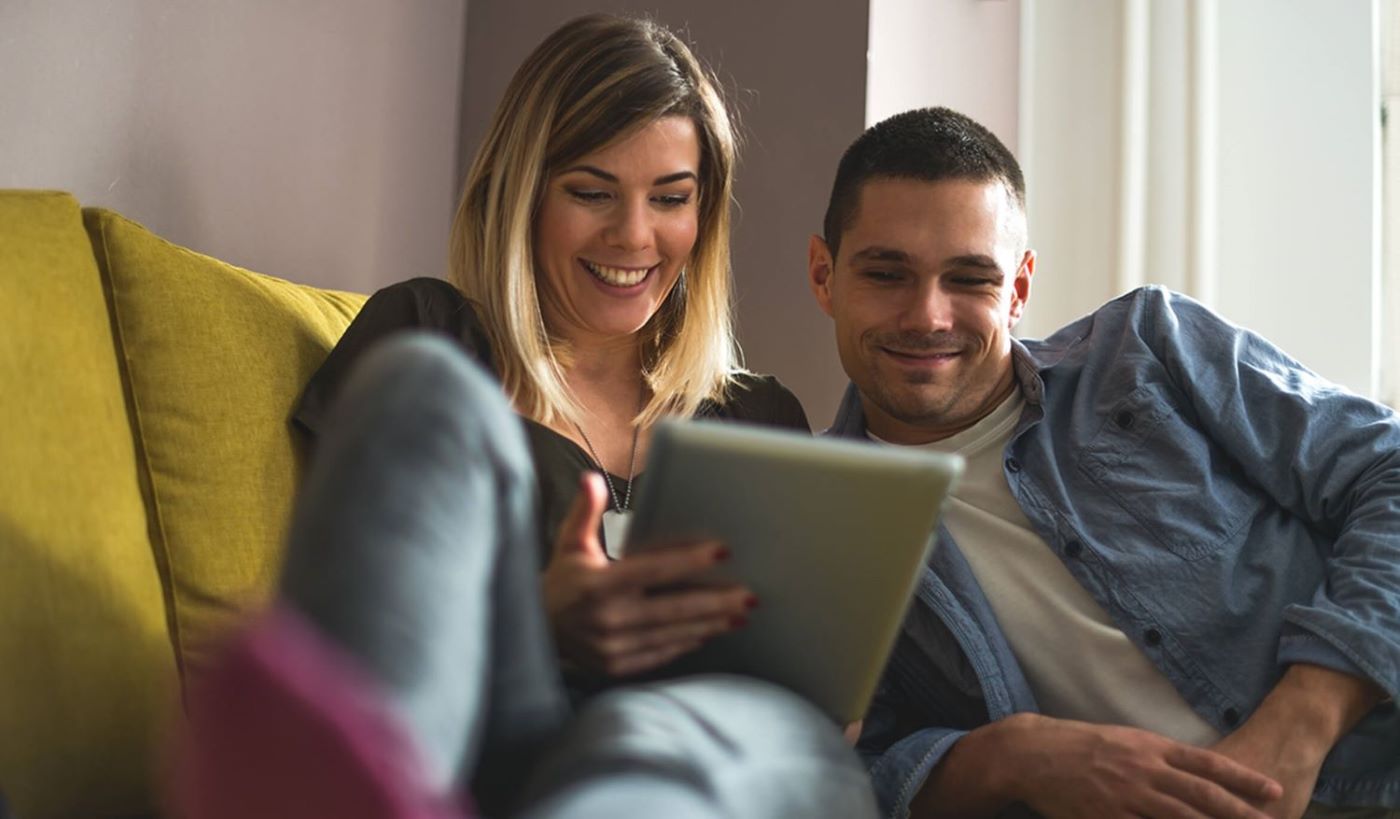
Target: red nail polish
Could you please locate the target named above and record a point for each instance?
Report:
(751, 602)
(738, 622)
(721, 554)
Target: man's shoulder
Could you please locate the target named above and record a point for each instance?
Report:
(1141, 311)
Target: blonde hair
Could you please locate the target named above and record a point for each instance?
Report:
(595, 80)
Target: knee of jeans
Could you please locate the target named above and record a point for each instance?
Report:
(735, 739)
(443, 381)
(733, 716)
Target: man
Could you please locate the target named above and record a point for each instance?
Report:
(1169, 583)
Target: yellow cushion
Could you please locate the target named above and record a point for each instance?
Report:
(85, 660)
(215, 356)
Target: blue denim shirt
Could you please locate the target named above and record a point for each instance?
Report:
(1232, 512)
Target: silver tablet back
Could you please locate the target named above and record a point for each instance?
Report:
(831, 535)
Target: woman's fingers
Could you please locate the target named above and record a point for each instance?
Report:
(628, 616)
(639, 612)
(578, 534)
(663, 567)
(625, 666)
(636, 641)
(640, 633)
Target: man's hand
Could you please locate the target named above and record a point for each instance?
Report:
(1065, 768)
(1295, 766)
(617, 619)
(1294, 729)
(1106, 770)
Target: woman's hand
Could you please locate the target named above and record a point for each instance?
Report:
(621, 618)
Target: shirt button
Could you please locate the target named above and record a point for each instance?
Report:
(1013, 465)
(1152, 636)
(1073, 548)
(1123, 419)
(1232, 717)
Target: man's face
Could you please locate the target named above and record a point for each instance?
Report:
(929, 280)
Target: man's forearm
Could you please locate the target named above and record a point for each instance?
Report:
(1070, 768)
(971, 780)
(1318, 704)
(1294, 728)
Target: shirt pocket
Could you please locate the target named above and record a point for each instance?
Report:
(1177, 483)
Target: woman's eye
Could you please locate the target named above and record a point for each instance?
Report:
(584, 195)
(673, 200)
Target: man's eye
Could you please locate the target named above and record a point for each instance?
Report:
(882, 275)
(975, 281)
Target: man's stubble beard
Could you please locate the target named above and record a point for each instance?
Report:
(908, 407)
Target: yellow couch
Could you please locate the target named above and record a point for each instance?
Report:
(146, 475)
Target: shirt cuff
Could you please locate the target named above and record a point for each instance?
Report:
(899, 772)
(1303, 647)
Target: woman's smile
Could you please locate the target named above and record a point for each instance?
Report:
(618, 277)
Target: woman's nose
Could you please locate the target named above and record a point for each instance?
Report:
(632, 228)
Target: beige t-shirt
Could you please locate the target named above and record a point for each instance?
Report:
(1078, 663)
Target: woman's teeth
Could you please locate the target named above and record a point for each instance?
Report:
(617, 276)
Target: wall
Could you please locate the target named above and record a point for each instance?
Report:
(319, 140)
(798, 79)
(1228, 149)
(310, 139)
(1070, 155)
(1390, 205)
(1299, 177)
(962, 54)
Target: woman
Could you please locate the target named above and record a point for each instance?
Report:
(408, 653)
(590, 255)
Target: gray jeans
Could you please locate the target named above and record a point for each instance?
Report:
(413, 547)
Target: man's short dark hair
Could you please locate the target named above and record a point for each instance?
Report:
(927, 144)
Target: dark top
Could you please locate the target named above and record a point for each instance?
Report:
(436, 306)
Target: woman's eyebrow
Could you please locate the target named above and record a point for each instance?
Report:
(673, 177)
(589, 169)
(608, 177)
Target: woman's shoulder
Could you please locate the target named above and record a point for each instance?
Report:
(428, 303)
(422, 304)
(761, 399)
(429, 300)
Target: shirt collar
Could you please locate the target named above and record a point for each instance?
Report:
(1030, 360)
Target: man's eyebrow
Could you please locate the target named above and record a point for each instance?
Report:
(608, 177)
(879, 254)
(974, 260)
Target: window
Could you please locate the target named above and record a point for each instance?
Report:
(1390, 203)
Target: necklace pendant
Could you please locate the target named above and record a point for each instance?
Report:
(615, 532)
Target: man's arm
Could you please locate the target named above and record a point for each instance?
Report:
(1295, 727)
(1065, 768)
(1327, 456)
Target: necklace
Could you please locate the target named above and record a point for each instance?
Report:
(616, 520)
(622, 504)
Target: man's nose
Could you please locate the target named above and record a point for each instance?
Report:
(930, 309)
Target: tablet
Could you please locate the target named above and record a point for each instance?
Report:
(831, 535)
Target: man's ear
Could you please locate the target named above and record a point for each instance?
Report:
(819, 270)
(1021, 286)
